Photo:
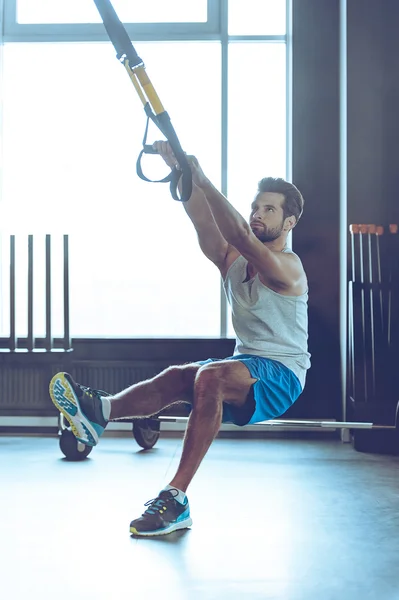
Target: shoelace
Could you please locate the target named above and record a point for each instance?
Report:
(159, 505)
(92, 392)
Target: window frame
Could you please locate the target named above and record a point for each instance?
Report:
(14, 31)
(214, 29)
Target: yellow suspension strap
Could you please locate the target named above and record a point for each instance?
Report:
(134, 65)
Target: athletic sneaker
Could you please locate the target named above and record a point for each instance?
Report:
(81, 406)
(163, 515)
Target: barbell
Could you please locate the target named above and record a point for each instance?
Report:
(310, 423)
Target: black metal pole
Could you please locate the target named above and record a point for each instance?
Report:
(393, 230)
(378, 232)
(353, 229)
(12, 341)
(371, 231)
(67, 334)
(48, 340)
(30, 344)
(362, 231)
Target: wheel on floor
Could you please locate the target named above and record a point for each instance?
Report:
(71, 448)
(146, 432)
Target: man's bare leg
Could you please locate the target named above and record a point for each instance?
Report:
(88, 411)
(153, 395)
(214, 383)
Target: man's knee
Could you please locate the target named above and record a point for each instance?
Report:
(220, 374)
(183, 376)
(230, 381)
(210, 378)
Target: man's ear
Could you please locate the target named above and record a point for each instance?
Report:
(289, 223)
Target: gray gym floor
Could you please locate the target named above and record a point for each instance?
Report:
(291, 519)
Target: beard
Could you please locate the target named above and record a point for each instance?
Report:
(268, 234)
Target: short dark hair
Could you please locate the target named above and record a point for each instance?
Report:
(293, 199)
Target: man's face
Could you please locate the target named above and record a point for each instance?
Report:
(267, 216)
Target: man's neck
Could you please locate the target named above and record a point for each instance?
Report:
(277, 245)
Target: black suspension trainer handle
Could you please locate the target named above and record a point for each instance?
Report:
(134, 65)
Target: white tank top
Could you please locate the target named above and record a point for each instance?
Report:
(267, 323)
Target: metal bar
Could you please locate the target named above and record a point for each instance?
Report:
(359, 345)
(351, 341)
(28, 32)
(12, 340)
(353, 229)
(300, 423)
(288, 89)
(224, 17)
(83, 35)
(393, 230)
(371, 230)
(362, 231)
(380, 345)
(258, 38)
(343, 184)
(379, 231)
(30, 294)
(48, 344)
(67, 335)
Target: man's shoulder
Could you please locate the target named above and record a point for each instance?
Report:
(296, 269)
(290, 256)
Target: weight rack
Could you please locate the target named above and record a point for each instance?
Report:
(31, 343)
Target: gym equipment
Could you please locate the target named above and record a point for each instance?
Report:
(393, 246)
(313, 424)
(358, 276)
(373, 336)
(147, 431)
(30, 343)
(134, 65)
(71, 448)
(372, 301)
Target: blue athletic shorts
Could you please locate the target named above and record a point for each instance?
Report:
(276, 389)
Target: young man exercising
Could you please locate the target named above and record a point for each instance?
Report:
(266, 286)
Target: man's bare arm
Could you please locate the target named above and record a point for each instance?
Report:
(278, 271)
(211, 241)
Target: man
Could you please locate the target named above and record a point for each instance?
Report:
(267, 288)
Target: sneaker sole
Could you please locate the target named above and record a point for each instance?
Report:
(65, 400)
(174, 527)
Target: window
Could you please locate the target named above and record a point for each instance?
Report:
(72, 129)
(257, 17)
(257, 120)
